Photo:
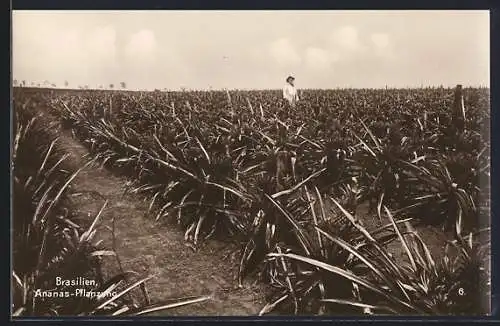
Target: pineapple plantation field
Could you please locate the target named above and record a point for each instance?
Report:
(233, 203)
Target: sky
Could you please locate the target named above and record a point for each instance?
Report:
(251, 49)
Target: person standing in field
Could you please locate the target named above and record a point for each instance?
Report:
(290, 92)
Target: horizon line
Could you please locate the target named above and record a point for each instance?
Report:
(186, 89)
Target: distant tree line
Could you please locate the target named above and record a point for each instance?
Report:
(46, 83)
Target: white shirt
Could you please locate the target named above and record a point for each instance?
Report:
(290, 94)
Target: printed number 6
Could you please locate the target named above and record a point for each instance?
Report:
(461, 291)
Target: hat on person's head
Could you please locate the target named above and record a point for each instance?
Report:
(290, 78)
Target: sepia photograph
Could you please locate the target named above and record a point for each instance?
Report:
(172, 163)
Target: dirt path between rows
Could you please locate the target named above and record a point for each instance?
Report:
(152, 249)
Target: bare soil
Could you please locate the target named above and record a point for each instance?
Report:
(149, 248)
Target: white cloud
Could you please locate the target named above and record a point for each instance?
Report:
(72, 47)
(101, 44)
(142, 46)
(285, 53)
(47, 52)
(64, 47)
(380, 40)
(347, 38)
(382, 44)
(318, 59)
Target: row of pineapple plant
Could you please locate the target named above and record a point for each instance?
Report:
(50, 241)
